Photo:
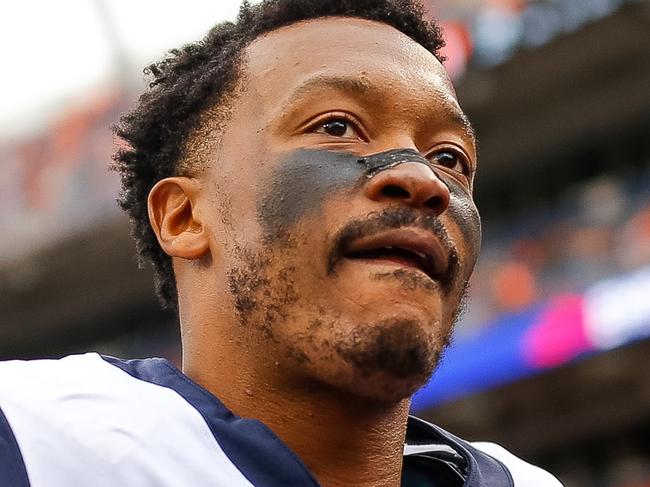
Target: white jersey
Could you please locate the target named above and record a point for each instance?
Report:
(90, 420)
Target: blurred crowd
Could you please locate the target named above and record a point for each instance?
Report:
(601, 228)
(56, 180)
(486, 33)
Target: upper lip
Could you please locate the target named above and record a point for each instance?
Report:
(427, 250)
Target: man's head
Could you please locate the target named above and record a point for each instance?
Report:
(309, 175)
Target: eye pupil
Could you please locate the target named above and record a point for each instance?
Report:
(446, 159)
(337, 128)
(450, 159)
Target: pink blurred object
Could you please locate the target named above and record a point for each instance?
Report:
(559, 334)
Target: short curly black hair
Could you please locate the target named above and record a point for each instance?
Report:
(200, 76)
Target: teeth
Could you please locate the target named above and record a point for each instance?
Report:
(414, 252)
(422, 260)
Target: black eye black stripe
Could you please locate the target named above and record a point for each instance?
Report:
(384, 160)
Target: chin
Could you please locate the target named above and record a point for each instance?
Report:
(383, 388)
(390, 360)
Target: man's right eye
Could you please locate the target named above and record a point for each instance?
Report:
(338, 127)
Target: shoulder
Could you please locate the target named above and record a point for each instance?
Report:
(93, 420)
(522, 472)
(86, 381)
(79, 410)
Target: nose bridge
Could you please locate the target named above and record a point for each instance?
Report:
(409, 182)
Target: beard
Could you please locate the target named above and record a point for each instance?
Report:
(395, 347)
(386, 360)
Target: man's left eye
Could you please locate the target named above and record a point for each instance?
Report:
(450, 159)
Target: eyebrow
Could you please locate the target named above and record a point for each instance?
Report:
(343, 83)
(362, 86)
(458, 117)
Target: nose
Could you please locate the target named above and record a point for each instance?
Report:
(410, 183)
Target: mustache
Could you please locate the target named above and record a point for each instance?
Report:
(394, 218)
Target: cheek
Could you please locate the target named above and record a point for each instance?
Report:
(300, 184)
(464, 214)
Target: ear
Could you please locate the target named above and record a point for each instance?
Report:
(175, 219)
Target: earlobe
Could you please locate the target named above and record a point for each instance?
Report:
(174, 217)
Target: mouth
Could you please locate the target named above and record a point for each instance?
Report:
(410, 248)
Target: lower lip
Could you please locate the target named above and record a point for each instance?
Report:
(393, 262)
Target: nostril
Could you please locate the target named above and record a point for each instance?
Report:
(435, 203)
(392, 191)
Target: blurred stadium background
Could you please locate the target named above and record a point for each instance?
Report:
(551, 359)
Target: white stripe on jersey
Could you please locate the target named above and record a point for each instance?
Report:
(523, 473)
(82, 421)
(434, 447)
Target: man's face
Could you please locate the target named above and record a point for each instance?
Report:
(342, 224)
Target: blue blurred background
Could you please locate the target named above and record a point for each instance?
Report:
(551, 358)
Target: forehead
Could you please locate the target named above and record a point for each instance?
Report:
(372, 53)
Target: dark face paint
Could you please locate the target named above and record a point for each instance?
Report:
(464, 213)
(305, 177)
(303, 180)
(385, 160)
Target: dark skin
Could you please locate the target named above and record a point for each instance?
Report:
(276, 320)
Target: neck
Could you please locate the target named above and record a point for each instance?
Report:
(343, 440)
